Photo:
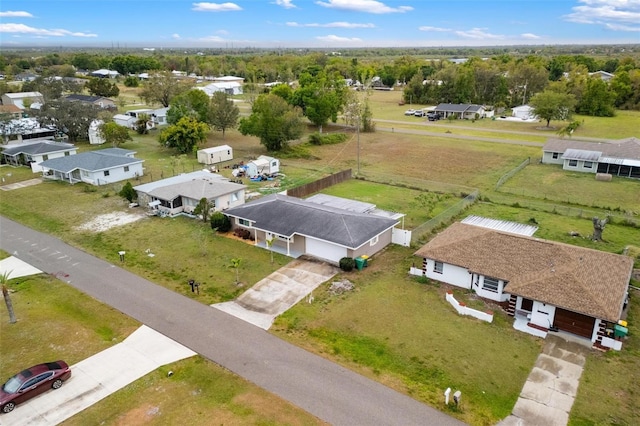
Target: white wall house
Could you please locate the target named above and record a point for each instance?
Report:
(34, 153)
(22, 99)
(523, 112)
(94, 167)
(182, 193)
(546, 285)
(215, 155)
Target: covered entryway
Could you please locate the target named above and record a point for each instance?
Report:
(573, 322)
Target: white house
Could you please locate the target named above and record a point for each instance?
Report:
(228, 87)
(216, 154)
(94, 133)
(94, 167)
(182, 193)
(621, 158)
(105, 73)
(297, 227)
(546, 285)
(22, 99)
(461, 111)
(262, 165)
(34, 153)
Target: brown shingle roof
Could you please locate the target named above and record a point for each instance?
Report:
(582, 280)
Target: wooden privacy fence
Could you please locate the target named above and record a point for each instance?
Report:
(320, 184)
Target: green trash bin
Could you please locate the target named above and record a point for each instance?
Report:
(620, 331)
(360, 262)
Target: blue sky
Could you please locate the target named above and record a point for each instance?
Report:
(317, 23)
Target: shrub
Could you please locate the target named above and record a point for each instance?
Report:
(220, 222)
(327, 139)
(245, 234)
(127, 192)
(347, 264)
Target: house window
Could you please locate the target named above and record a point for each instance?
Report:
(45, 157)
(234, 196)
(588, 164)
(491, 284)
(67, 153)
(555, 155)
(126, 168)
(374, 241)
(438, 267)
(244, 222)
(106, 172)
(573, 163)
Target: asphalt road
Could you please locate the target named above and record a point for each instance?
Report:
(324, 389)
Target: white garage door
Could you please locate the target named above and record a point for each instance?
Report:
(324, 250)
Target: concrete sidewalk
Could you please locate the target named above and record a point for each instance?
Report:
(548, 394)
(99, 376)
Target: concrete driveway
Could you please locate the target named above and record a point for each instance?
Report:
(278, 292)
(99, 376)
(547, 395)
(23, 184)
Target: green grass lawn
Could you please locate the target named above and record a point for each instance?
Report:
(55, 321)
(403, 333)
(550, 182)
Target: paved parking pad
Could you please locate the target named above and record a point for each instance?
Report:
(99, 376)
(278, 292)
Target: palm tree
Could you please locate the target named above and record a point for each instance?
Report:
(269, 245)
(235, 263)
(4, 278)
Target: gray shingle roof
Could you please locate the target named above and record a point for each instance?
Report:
(581, 280)
(284, 215)
(196, 189)
(91, 161)
(458, 108)
(624, 149)
(43, 147)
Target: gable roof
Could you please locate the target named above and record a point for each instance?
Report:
(287, 216)
(10, 109)
(582, 280)
(44, 147)
(458, 108)
(196, 185)
(91, 161)
(628, 148)
(23, 95)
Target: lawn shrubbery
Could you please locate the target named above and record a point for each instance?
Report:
(347, 264)
(327, 138)
(220, 222)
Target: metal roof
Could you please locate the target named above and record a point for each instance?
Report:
(581, 154)
(501, 225)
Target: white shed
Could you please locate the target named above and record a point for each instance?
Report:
(216, 154)
(524, 112)
(263, 165)
(125, 120)
(94, 133)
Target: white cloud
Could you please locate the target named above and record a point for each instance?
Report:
(175, 36)
(25, 29)
(215, 7)
(331, 25)
(223, 32)
(216, 39)
(337, 39)
(478, 33)
(617, 15)
(287, 4)
(15, 14)
(436, 29)
(530, 36)
(365, 6)
(619, 27)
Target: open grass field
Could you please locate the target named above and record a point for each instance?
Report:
(78, 326)
(625, 124)
(550, 182)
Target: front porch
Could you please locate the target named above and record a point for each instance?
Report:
(280, 247)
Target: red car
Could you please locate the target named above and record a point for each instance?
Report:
(32, 382)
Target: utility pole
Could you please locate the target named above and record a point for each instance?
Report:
(358, 138)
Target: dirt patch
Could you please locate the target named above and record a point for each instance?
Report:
(138, 416)
(104, 222)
